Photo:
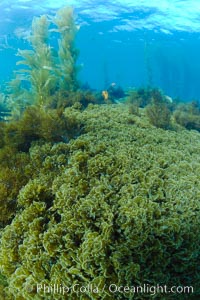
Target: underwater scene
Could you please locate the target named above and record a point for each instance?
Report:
(99, 150)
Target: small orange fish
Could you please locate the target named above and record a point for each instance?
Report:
(105, 95)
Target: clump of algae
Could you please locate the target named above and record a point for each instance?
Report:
(118, 204)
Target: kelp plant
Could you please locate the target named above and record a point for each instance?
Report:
(48, 70)
(67, 52)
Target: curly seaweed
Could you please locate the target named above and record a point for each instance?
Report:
(117, 205)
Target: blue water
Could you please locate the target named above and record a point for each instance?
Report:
(130, 43)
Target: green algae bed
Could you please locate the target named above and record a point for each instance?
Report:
(118, 203)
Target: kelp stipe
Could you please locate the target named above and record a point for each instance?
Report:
(67, 52)
(39, 62)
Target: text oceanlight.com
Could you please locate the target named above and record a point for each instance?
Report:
(113, 289)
